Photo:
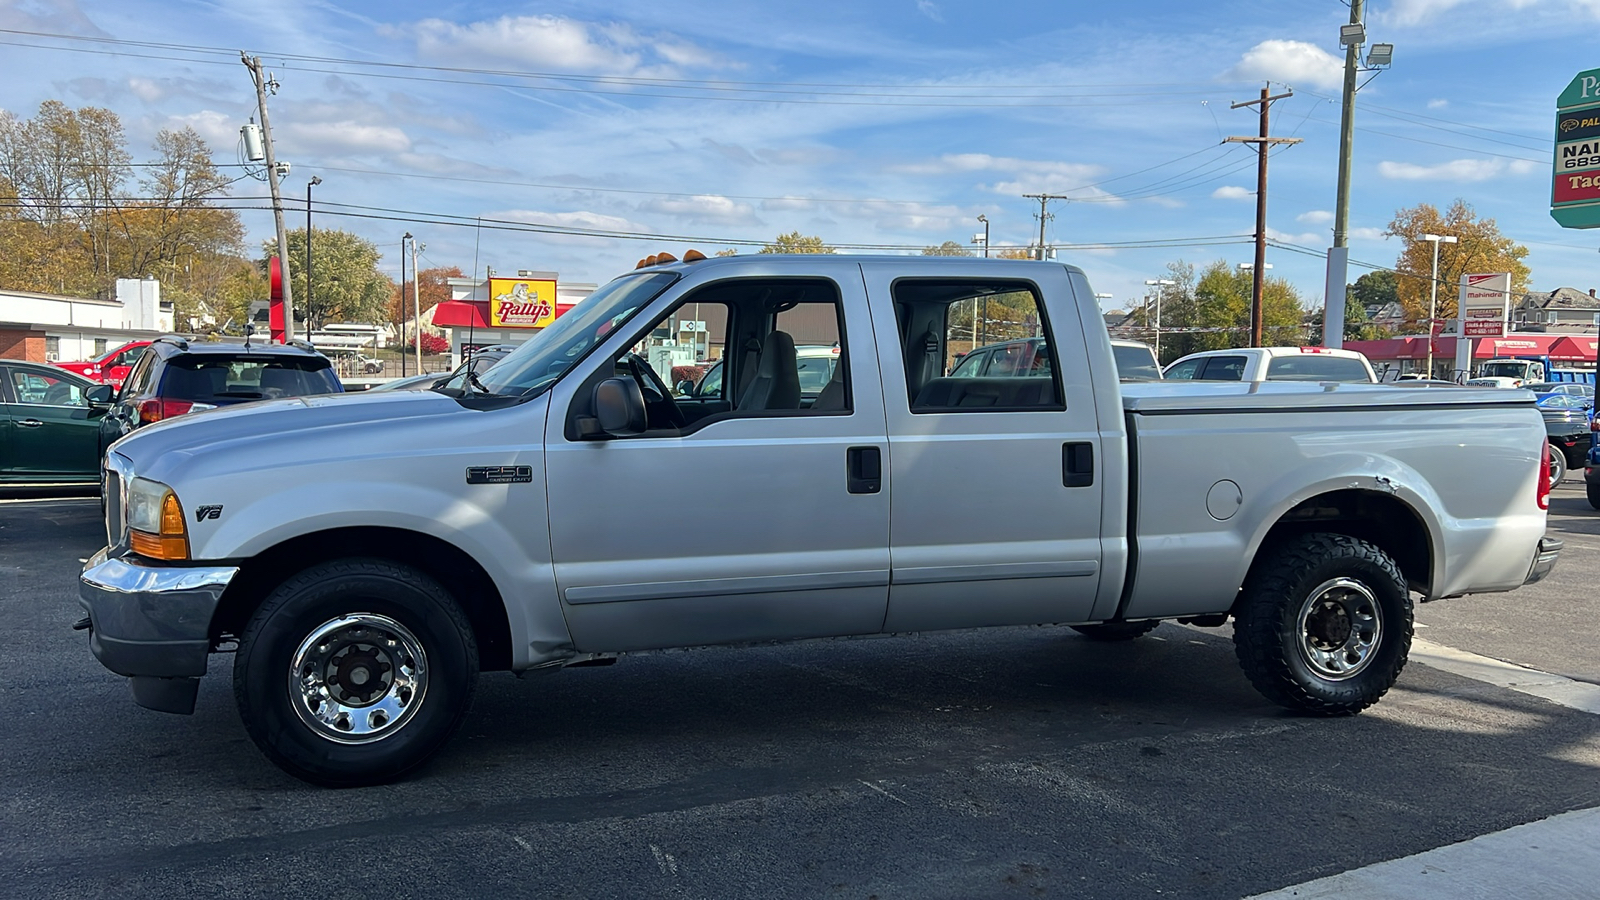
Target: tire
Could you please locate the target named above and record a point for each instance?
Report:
(1116, 631)
(355, 672)
(1593, 490)
(1324, 624)
(1558, 466)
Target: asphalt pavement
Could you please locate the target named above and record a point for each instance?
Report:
(1023, 762)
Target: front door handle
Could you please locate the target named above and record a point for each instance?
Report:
(1077, 464)
(864, 470)
(29, 423)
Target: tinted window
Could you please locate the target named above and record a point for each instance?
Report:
(970, 365)
(138, 382)
(1135, 363)
(238, 379)
(1223, 368)
(1316, 367)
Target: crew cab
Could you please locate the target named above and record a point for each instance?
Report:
(370, 554)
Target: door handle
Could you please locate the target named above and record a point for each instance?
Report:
(864, 470)
(1077, 464)
(29, 423)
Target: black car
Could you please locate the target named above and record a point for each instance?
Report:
(178, 375)
(1566, 421)
(49, 430)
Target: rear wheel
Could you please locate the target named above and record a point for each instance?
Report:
(354, 672)
(1324, 624)
(1593, 490)
(1558, 466)
(1116, 631)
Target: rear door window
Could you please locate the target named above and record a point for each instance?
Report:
(1223, 368)
(1185, 370)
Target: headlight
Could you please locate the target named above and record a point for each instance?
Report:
(155, 521)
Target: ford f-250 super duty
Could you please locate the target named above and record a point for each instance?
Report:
(370, 554)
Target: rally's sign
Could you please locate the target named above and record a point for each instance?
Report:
(521, 302)
(1575, 184)
(1484, 303)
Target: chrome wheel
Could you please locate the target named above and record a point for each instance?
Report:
(1339, 626)
(358, 678)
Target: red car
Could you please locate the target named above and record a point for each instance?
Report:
(110, 368)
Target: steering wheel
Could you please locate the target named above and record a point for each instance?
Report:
(656, 396)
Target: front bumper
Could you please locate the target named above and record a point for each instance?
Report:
(1544, 559)
(152, 624)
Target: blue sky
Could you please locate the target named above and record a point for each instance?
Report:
(876, 122)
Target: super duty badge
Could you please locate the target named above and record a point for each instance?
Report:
(499, 474)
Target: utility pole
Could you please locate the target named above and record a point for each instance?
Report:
(403, 242)
(1044, 200)
(263, 84)
(1263, 142)
(315, 180)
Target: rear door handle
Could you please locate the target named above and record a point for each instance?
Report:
(29, 423)
(1077, 464)
(864, 470)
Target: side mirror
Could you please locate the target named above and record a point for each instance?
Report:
(619, 407)
(686, 388)
(100, 395)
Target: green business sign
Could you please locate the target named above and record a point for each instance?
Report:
(1575, 183)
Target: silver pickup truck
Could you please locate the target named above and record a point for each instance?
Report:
(369, 555)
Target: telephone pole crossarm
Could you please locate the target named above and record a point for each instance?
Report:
(1044, 216)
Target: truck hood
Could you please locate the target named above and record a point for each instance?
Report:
(266, 432)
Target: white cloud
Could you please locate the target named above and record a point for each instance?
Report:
(1455, 170)
(1294, 62)
(583, 219)
(218, 129)
(703, 208)
(1315, 217)
(1414, 12)
(340, 137)
(1308, 240)
(931, 10)
(1232, 192)
(1025, 176)
(1438, 104)
(546, 42)
(1368, 234)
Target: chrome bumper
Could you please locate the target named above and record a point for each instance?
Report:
(152, 624)
(1544, 559)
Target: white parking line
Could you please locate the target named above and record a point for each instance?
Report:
(1555, 688)
(1553, 859)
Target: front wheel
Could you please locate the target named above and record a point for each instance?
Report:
(1324, 624)
(1593, 492)
(354, 672)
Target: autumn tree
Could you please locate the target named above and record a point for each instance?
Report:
(346, 285)
(795, 242)
(948, 248)
(433, 288)
(1480, 248)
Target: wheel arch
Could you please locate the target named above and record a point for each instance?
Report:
(1380, 518)
(461, 575)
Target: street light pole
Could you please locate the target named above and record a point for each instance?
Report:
(315, 180)
(403, 241)
(1158, 284)
(1433, 289)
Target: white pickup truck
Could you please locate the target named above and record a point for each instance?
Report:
(369, 554)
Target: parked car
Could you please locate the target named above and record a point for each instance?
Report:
(411, 382)
(1135, 361)
(49, 430)
(1273, 364)
(111, 367)
(369, 558)
(178, 376)
(1571, 389)
(1566, 420)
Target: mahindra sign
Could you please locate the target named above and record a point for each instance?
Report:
(1485, 302)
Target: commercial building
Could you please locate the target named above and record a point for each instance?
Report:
(502, 309)
(51, 328)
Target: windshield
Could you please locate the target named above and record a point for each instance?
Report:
(536, 364)
(1516, 369)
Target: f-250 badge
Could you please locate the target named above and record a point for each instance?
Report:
(202, 513)
(499, 474)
